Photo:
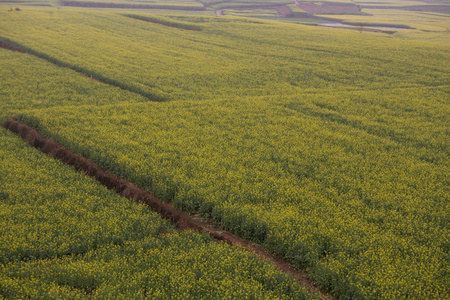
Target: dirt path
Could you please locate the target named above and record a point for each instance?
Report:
(129, 190)
(6, 45)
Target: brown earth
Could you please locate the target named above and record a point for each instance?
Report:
(9, 46)
(129, 190)
(213, 3)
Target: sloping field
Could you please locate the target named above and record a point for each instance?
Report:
(132, 192)
(427, 26)
(234, 58)
(330, 149)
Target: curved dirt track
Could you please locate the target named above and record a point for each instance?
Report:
(129, 190)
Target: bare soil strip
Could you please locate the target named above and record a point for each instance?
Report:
(6, 45)
(129, 190)
(130, 6)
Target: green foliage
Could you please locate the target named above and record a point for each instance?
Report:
(185, 3)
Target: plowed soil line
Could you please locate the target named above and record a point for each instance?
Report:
(129, 190)
(6, 45)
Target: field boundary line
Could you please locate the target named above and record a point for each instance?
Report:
(129, 190)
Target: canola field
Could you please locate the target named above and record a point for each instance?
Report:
(329, 148)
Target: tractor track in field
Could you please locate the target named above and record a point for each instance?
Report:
(15, 47)
(127, 189)
(9, 46)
